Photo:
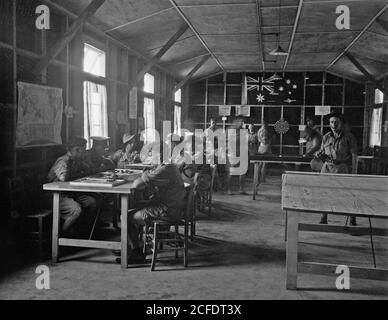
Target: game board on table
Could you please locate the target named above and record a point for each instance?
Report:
(108, 178)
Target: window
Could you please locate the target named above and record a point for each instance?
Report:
(94, 60)
(177, 112)
(149, 120)
(149, 83)
(376, 121)
(177, 120)
(178, 96)
(149, 109)
(95, 111)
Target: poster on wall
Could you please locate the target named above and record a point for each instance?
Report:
(322, 110)
(244, 111)
(133, 103)
(40, 111)
(224, 110)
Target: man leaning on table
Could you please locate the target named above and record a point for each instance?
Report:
(338, 152)
(166, 183)
(70, 167)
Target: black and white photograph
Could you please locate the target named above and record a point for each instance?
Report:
(193, 156)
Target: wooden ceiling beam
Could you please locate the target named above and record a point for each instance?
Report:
(192, 72)
(62, 42)
(183, 16)
(260, 30)
(161, 52)
(365, 72)
(137, 20)
(296, 23)
(358, 36)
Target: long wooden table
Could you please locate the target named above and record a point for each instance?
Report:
(259, 159)
(337, 194)
(126, 193)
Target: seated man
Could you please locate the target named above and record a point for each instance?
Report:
(129, 153)
(167, 204)
(313, 141)
(182, 158)
(67, 168)
(95, 158)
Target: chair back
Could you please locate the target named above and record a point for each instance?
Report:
(189, 202)
(214, 171)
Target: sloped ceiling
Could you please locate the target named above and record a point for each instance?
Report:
(239, 34)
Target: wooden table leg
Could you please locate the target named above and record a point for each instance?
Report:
(255, 179)
(124, 230)
(54, 253)
(285, 226)
(292, 250)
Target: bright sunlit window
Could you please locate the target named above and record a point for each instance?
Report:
(178, 96)
(149, 108)
(95, 111)
(94, 60)
(178, 112)
(376, 120)
(149, 120)
(177, 120)
(149, 83)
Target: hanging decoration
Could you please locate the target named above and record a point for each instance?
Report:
(282, 126)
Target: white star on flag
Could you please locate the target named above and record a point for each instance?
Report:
(260, 98)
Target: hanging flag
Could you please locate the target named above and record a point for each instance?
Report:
(284, 89)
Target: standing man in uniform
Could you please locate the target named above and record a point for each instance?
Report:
(338, 152)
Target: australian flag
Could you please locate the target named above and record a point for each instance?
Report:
(275, 89)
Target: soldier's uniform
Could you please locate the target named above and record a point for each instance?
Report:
(71, 205)
(94, 159)
(337, 152)
(337, 156)
(121, 158)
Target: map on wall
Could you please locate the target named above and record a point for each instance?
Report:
(275, 89)
(39, 115)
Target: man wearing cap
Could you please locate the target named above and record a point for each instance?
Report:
(129, 153)
(95, 158)
(69, 167)
(338, 152)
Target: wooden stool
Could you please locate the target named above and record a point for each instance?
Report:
(20, 203)
(40, 236)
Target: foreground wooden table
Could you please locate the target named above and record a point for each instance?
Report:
(125, 191)
(260, 159)
(338, 194)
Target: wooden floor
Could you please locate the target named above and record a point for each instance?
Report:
(239, 254)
